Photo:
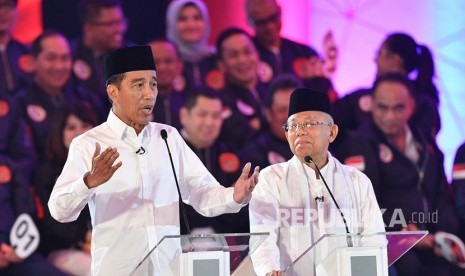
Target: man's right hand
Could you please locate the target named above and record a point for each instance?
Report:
(102, 166)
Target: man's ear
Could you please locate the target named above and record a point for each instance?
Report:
(112, 92)
(333, 133)
(183, 116)
(221, 66)
(268, 116)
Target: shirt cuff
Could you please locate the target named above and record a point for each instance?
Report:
(82, 189)
(230, 200)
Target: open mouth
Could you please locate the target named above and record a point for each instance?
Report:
(147, 109)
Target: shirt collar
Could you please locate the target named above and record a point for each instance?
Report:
(411, 146)
(310, 172)
(122, 129)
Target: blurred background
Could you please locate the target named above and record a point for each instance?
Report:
(358, 26)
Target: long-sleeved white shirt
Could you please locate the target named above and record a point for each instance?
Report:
(283, 204)
(139, 205)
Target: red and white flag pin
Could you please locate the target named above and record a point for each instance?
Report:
(357, 162)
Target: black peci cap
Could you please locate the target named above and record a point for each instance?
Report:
(134, 58)
(304, 99)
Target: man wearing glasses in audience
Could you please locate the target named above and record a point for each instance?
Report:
(279, 54)
(103, 30)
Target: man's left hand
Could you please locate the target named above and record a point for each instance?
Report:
(245, 184)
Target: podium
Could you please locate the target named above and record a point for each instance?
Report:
(201, 255)
(369, 255)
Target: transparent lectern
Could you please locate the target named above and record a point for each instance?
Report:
(369, 255)
(201, 255)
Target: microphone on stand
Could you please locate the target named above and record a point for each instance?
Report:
(164, 136)
(309, 159)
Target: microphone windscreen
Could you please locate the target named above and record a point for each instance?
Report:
(163, 134)
(308, 159)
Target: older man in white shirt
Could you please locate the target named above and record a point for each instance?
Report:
(291, 201)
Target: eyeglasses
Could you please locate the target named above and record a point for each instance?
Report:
(293, 127)
(112, 23)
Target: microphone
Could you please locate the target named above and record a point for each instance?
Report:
(309, 159)
(140, 151)
(164, 136)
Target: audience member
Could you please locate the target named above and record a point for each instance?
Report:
(103, 29)
(17, 161)
(188, 27)
(399, 53)
(13, 54)
(243, 94)
(271, 146)
(279, 54)
(406, 169)
(67, 245)
(50, 88)
(201, 125)
(171, 93)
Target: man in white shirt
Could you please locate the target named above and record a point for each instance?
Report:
(121, 169)
(291, 201)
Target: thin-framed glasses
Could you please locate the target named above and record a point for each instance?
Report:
(293, 127)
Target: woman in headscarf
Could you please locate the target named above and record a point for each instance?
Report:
(188, 27)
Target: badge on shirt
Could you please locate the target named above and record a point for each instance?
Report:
(357, 162)
(81, 69)
(179, 83)
(26, 63)
(244, 108)
(226, 112)
(365, 103)
(36, 112)
(5, 174)
(24, 236)
(215, 79)
(255, 123)
(229, 162)
(274, 158)
(4, 108)
(264, 72)
(458, 172)
(385, 153)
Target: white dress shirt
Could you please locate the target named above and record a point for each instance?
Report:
(139, 205)
(283, 203)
